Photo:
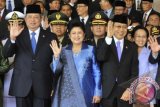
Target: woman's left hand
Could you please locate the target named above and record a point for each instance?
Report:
(96, 99)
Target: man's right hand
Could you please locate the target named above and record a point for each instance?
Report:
(110, 32)
(15, 30)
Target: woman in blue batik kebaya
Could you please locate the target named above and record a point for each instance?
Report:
(79, 83)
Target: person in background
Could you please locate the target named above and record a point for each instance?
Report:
(153, 20)
(23, 8)
(67, 10)
(107, 7)
(98, 23)
(54, 5)
(80, 82)
(3, 23)
(4, 65)
(132, 12)
(44, 22)
(58, 25)
(82, 7)
(147, 7)
(119, 7)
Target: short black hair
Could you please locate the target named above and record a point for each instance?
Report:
(139, 27)
(76, 23)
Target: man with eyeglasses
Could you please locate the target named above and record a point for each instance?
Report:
(147, 7)
(132, 12)
(82, 7)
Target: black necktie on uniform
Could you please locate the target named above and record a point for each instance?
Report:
(82, 20)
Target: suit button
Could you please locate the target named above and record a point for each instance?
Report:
(32, 70)
(33, 60)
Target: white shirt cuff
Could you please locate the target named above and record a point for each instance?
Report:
(108, 40)
(13, 41)
(155, 55)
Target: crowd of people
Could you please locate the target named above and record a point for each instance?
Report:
(77, 53)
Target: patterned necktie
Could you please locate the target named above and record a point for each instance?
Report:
(33, 41)
(144, 19)
(119, 50)
(9, 6)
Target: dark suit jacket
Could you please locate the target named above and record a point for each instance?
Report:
(94, 6)
(3, 25)
(135, 15)
(152, 60)
(112, 69)
(31, 70)
(152, 12)
(18, 3)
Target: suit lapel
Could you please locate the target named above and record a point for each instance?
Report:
(26, 37)
(114, 49)
(124, 52)
(40, 41)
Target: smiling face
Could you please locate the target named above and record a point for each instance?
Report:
(76, 35)
(140, 38)
(120, 30)
(33, 21)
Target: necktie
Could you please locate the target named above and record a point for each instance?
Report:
(138, 5)
(119, 50)
(106, 13)
(33, 41)
(82, 20)
(9, 6)
(144, 19)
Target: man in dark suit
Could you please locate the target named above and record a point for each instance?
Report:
(107, 7)
(3, 22)
(132, 12)
(155, 58)
(32, 80)
(82, 7)
(22, 8)
(147, 7)
(119, 59)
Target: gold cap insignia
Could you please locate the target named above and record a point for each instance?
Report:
(155, 31)
(58, 16)
(98, 16)
(14, 16)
